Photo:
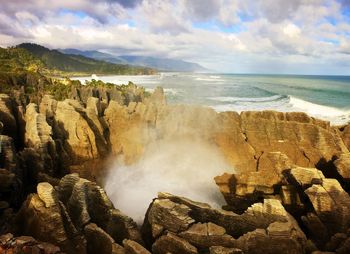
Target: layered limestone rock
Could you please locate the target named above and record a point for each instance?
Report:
(77, 216)
(283, 161)
(79, 138)
(319, 203)
(342, 165)
(7, 116)
(178, 225)
(345, 134)
(87, 202)
(25, 244)
(121, 94)
(87, 130)
(38, 135)
(44, 217)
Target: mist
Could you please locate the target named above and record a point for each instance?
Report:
(184, 167)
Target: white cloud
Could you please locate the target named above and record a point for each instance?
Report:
(228, 35)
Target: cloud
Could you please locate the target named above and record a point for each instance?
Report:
(227, 35)
(202, 10)
(161, 16)
(127, 3)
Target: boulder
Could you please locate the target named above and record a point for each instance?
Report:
(331, 204)
(44, 217)
(98, 241)
(179, 225)
(242, 190)
(80, 217)
(171, 243)
(203, 235)
(132, 247)
(306, 177)
(342, 165)
(25, 244)
(87, 202)
(224, 250)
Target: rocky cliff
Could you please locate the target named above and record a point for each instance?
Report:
(289, 192)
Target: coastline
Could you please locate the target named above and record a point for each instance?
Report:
(276, 164)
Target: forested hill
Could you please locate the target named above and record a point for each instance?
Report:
(57, 63)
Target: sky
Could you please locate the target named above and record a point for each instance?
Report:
(227, 36)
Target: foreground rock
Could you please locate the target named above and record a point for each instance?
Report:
(25, 244)
(178, 225)
(78, 217)
(320, 204)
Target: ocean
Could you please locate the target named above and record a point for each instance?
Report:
(324, 97)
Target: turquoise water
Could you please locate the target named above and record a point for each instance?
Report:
(325, 97)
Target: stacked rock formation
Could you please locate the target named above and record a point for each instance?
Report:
(289, 192)
(178, 225)
(77, 216)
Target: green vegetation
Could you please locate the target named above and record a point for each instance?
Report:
(18, 60)
(71, 65)
(36, 70)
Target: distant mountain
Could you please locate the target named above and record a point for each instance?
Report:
(95, 55)
(77, 64)
(164, 64)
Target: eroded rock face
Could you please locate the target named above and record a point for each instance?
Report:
(77, 216)
(95, 124)
(38, 135)
(7, 116)
(284, 161)
(44, 217)
(342, 165)
(25, 244)
(178, 225)
(87, 202)
(332, 205)
(319, 203)
(345, 134)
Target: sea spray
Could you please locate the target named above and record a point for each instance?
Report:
(184, 167)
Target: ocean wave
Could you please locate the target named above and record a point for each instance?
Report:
(317, 109)
(286, 104)
(171, 91)
(247, 99)
(209, 79)
(167, 91)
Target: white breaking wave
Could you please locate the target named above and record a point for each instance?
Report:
(334, 115)
(245, 99)
(316, 109)
(209, 79)
(285, 104)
